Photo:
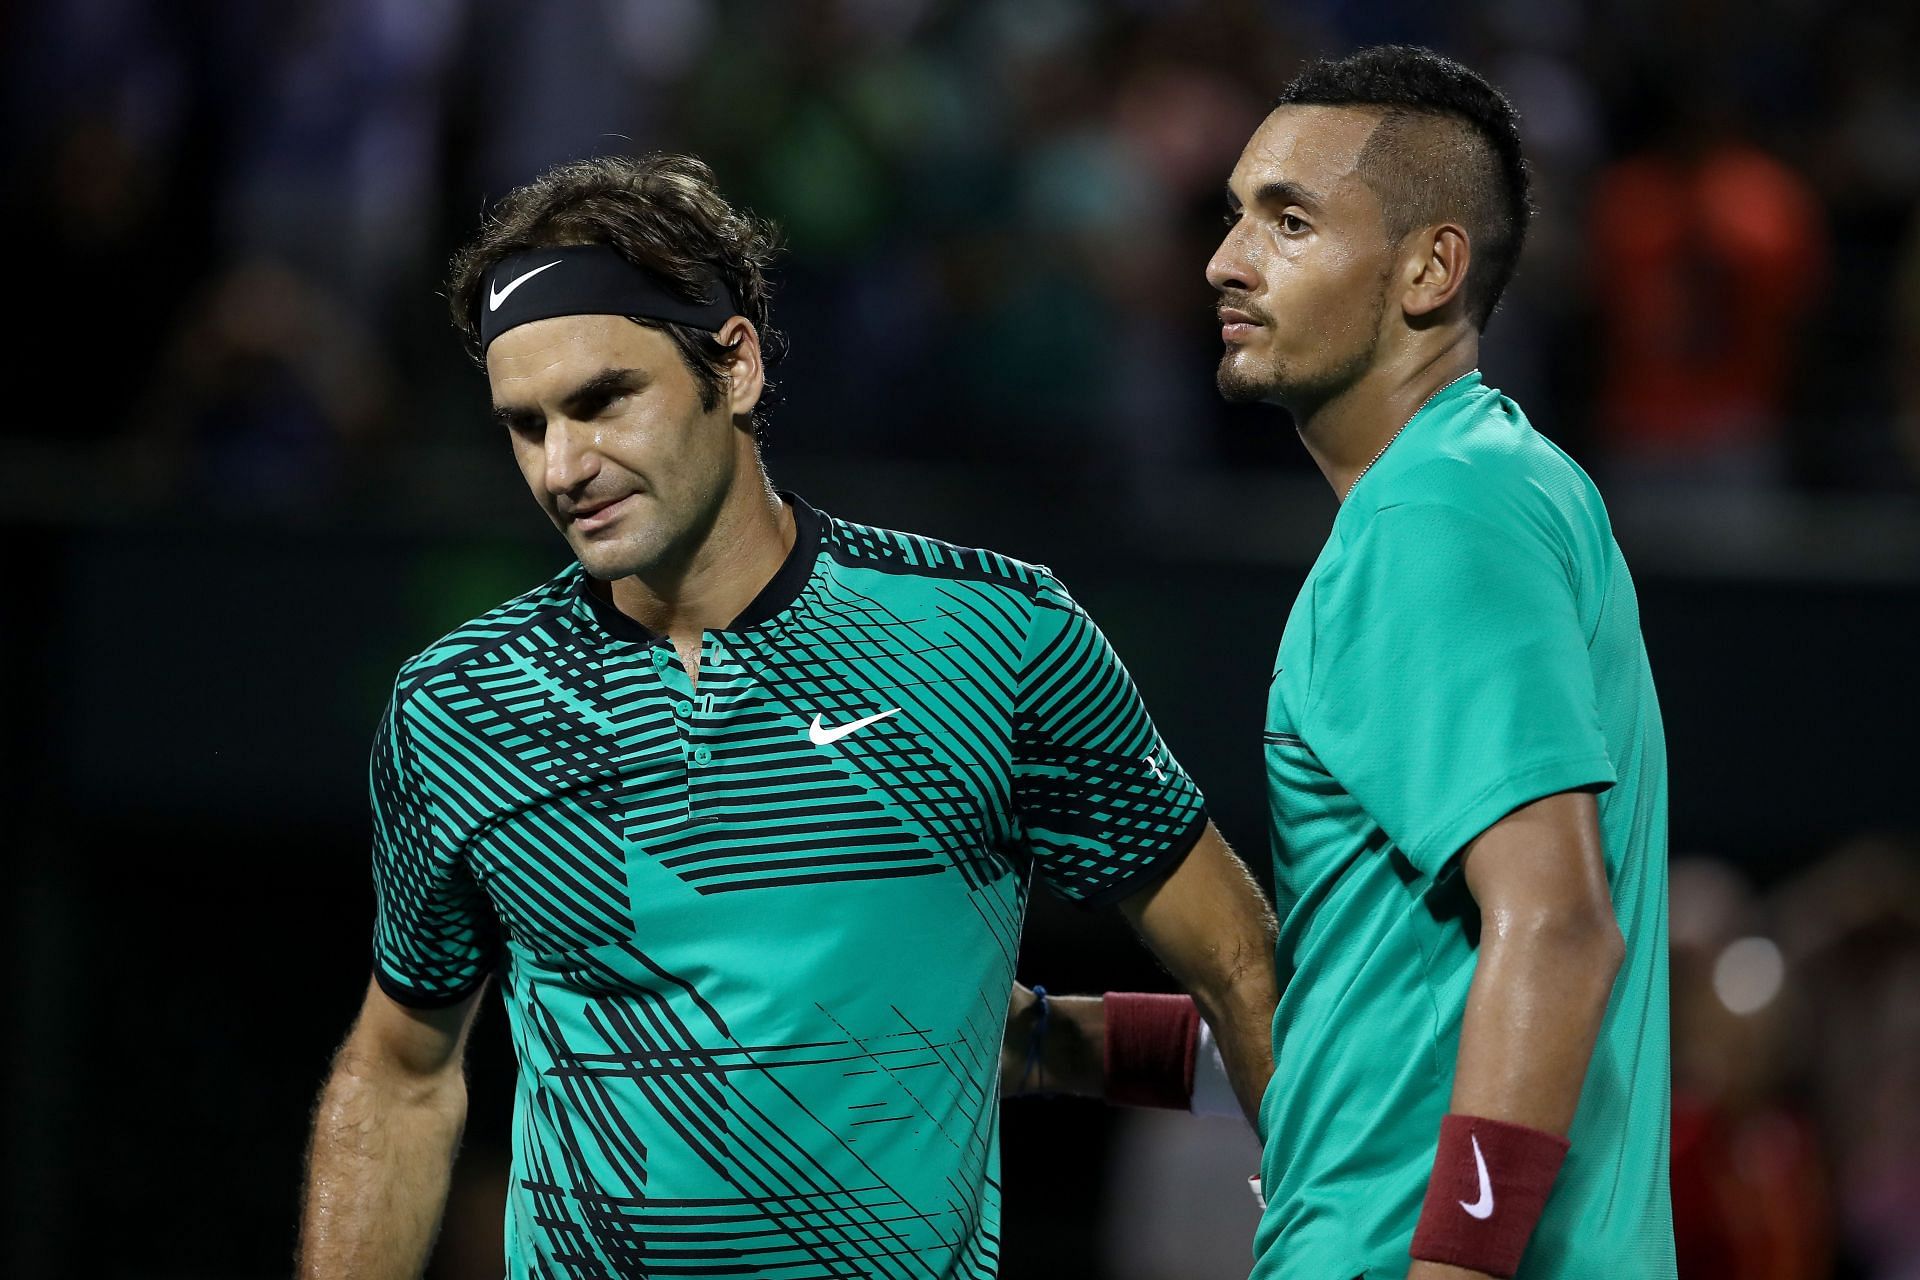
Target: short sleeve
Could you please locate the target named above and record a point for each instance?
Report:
(1102, 805)
(435, 932)
(1451, 681)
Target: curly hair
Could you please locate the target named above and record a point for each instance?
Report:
(1447, 147)
(664, 214)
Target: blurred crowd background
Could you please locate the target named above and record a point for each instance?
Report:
(248, 471)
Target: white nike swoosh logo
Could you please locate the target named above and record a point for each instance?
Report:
(497, 295)
(1483, 1207)
(820, 735)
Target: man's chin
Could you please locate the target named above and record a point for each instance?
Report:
(606, 560)
(1239, 385)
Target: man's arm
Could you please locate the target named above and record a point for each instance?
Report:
(384, 1135)
(1210, 925)
(1549, 949)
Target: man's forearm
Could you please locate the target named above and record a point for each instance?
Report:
(377, 1173)
(1214, 931)
(1534, 1010)
(1241, 1016)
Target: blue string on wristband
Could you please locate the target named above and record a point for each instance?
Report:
(1037, 1038)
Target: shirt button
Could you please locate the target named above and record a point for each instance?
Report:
(702, 755)
(660, 658)
(682, 709)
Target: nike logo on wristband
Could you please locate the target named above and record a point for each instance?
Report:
(1483, 1207)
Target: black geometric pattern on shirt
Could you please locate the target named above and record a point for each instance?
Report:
(604, 791)
(543, 791)
(842, 650)
(790, 1216)
(834, 655)
(428, 899)
(1083, 732)
(891, 551)
(769, 811)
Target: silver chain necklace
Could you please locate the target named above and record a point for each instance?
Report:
(1403, 426)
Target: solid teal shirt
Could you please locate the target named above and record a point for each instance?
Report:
(1468, 642)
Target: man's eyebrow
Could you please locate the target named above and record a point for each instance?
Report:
(513, 415)
(601, 386)
(1287, 192)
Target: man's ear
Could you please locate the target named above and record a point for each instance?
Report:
(746, 377)
(1436, 269)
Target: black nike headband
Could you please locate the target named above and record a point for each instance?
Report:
(588, 280)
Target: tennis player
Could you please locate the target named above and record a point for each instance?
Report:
(740, 811)
(1465, 760)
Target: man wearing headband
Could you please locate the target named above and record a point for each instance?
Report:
(740, 811)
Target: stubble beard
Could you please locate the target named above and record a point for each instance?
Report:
(665, 546)
(1239, 385)
(1285, 383)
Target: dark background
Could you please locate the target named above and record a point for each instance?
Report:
(247, 472)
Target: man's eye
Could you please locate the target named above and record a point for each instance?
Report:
(1292, 224)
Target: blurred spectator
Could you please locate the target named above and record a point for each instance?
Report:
(998, 212)
(262, 395)
(1906, 351)
(619, 60)
(1707, 257)
(1851, 926)
(335, 165)
(1750, 1186)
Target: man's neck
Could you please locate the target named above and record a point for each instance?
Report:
(733, 561)
(1349, 430)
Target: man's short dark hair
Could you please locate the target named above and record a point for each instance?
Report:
(1447, 149)
(664, 214)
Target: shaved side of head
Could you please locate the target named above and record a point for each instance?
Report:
(1447, 149)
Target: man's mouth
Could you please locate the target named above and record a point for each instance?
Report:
(598, 516)
(1236, 325)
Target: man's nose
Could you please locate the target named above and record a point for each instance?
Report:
(1229, 270)
(572, 458)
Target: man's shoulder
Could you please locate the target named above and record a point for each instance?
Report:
(1496, 469)
(908, 556)
(486, 634)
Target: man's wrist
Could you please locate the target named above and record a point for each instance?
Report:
(1489, 1186)
(1149, 1049)
(1069, 1052)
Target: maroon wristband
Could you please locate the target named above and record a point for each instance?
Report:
(1148, 1056)
(1490, 1183)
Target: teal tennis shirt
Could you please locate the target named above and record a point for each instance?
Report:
(756, 936)
(1467, 642)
